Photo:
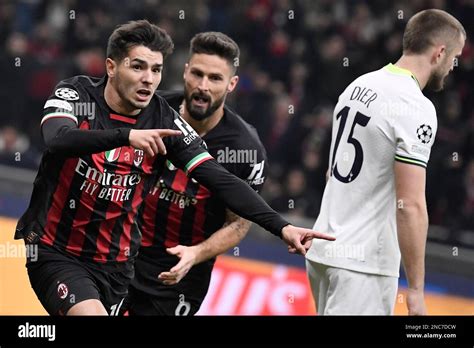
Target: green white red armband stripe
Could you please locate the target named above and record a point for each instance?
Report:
(197, 161)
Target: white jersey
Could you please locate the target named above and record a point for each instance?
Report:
(380, 118)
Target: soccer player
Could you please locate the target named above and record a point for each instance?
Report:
(182, 223)
(374, 200)
(104, 152)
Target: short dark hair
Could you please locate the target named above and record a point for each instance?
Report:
(217, 43)
(138, 33)
(429, 27)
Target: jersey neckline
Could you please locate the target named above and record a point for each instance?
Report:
(401, 71)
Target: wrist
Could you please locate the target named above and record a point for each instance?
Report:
(284, 229)
(416, 288)
(197, 253)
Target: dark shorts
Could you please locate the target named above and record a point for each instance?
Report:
(60, 281)
(149, 296)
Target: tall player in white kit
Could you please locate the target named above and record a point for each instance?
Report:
(374, 201)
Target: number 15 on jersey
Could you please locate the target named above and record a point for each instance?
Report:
(360, 120)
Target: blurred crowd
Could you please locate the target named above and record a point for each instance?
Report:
(296, 58)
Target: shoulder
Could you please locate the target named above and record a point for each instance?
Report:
(428, 106)
(163, 109)
(76, 87)
(173, 98)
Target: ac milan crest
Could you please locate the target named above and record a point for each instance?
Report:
(62, 291)
(138, 158)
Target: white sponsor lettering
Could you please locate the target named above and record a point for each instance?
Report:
(95, 179)
(115, 194)
(189, 139)
(172, 196)
(256, 176)
(105, 178)
(188, 131)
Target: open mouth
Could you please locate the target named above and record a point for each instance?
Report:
(143, 93)
(200, 99)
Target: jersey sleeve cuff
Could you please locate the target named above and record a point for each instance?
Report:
(58, 115)
(411, 160)
(196, 161)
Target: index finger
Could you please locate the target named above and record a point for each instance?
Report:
(320, 235)
(168, 132)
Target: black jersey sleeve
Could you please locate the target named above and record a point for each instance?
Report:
(187, 152)
(60, 125)
(238, 196)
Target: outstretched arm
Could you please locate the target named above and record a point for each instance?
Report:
(62, 136)
(245, 202)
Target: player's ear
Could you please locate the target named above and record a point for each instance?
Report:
(233, 83)
(439, 53)
(110, 66)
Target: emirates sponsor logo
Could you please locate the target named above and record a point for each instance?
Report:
(105, 178)
(115, 187)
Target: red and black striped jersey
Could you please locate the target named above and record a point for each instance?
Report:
(86, 204)
(178, 210)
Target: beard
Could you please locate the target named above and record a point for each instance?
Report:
(436, 81)
(199, 113)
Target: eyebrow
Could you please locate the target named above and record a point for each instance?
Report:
(216, 74)
(141, 61)
(210, 74)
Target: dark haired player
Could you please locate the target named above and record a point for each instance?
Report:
(184, 225)
(98, 168)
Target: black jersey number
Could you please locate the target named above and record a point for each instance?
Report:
(361, 120)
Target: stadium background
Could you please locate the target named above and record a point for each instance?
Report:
(297, 57)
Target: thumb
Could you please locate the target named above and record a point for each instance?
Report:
(299, 247)
(174, 250)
